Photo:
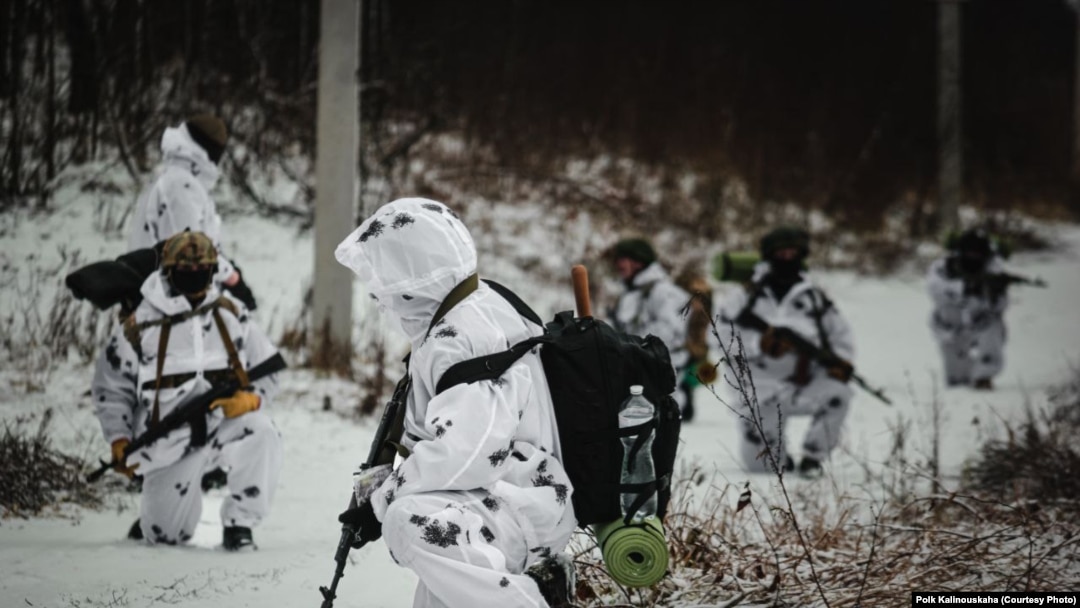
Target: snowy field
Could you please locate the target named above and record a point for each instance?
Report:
(79, 558)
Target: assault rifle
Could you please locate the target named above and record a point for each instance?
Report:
(382, 451)
(997, 282)
(822, 356)
(193, 412)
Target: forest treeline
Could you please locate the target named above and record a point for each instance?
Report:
(829, 104)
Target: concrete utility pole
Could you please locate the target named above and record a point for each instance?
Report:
(949, 119)
(335, 176)
(1075, 5)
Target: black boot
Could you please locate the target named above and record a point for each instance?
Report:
(236, 538)
(215, 479)
(555, 578)
(811, 468)
(135, 532)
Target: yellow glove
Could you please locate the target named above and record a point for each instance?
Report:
(239, 404)
(121, 460)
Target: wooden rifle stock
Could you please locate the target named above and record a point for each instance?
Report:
(580, 277)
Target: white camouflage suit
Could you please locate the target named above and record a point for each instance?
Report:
(823, 397)
(969, 328)
(482, 495)
(123, 394)
(654, 305)
(179, 198)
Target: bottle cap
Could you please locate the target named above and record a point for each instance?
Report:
(636, 389)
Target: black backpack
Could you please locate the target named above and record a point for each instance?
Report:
(590, 368)
(111, 282)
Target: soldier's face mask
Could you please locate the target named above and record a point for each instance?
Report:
(786, 264)
(191, 281)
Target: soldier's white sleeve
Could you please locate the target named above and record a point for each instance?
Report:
(839, 333)
(472, 428)
(114, 389)
(668, 301)
(944, 290)
(729, 308)
(257, 348)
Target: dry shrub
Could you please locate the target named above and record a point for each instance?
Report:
(854, 553)
(43, 321)
(812, 545)
(1038, 459)
(35, 476)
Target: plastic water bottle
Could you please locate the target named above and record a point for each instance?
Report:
(637, 410)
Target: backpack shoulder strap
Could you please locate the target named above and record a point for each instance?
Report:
(519, 305)
(487, 367)
(490, 367)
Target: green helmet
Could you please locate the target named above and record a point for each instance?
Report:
(188, 249)
(636, 249)
(785, 237)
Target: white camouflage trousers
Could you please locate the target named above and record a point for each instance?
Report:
(467, 549)
(824, 398)
(249, 446)
(972, 353)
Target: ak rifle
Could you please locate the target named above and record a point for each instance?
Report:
(383, 449)
(193, 412)
(805, 347)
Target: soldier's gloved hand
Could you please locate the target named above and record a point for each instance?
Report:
(239, 404)
(840, 370)
(362, 519)
(774, 342)
(121, 460)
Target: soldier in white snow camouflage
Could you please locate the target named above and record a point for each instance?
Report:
(482, 496)
(184, 337)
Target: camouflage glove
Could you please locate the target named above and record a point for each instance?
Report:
(120, 459)
(239, 404)
(840, 370)
(774, 342)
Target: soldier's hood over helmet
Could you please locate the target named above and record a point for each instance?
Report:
(410, 254)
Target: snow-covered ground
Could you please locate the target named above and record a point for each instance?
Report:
(79, 558)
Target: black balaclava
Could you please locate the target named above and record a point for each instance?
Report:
(784, 273)
(972, 250)
(191, 282)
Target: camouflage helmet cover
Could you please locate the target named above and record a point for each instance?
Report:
(189, 249)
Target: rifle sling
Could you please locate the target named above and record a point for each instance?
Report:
(230, 347)
(198, 426)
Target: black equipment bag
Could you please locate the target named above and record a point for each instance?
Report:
(590, 367)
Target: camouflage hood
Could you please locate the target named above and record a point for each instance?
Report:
(410, 254)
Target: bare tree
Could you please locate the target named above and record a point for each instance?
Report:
(950, 127)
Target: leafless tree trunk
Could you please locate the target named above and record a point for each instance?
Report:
(949, 121)
(335, 178)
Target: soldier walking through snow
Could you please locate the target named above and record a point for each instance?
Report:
(481, 506)
(184, 337)
(787, 382)
(970, 297)
(179, 197)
